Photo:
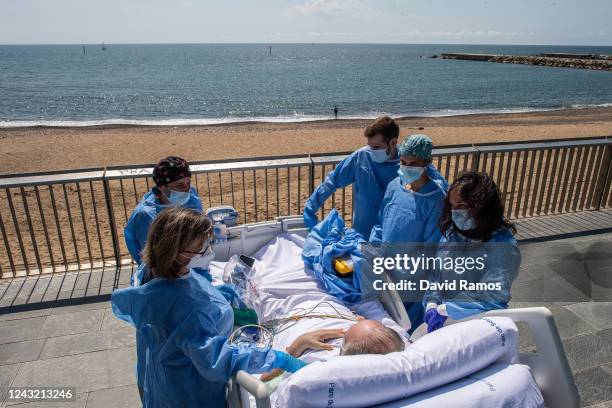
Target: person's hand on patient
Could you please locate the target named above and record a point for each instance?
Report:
(314, 340)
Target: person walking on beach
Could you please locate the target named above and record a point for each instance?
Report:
(369, 169)
(172, 178)
(336, 112)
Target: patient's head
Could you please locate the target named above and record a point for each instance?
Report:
(371, 337)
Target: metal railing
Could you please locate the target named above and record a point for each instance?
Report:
(62, 221)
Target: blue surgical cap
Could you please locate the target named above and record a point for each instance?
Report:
(416, 145)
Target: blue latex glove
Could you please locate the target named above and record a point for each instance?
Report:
(287, 362)
(231, 295)
(434, 319)
(310, 218)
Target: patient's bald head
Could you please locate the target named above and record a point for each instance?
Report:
(371, 337)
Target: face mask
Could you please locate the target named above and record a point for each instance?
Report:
(202, 261)
(178, 197)
(408, 174)
(379, 155)
(463, 220)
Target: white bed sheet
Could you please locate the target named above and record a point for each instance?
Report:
(284, 286)
(498, 385)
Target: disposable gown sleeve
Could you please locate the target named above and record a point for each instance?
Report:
(502, 269)
(217, 360)
(135, 233)
(341, 176)
(432, 233)
(376, 235)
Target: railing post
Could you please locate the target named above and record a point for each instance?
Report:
(111, 218)
(606, 178)
(311, 176)
(476, 161)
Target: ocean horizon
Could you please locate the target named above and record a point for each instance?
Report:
(207, 84)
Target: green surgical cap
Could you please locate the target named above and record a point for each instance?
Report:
(416, 145)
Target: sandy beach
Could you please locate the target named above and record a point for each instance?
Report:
(44, 149)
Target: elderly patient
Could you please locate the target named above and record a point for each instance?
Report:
(307, 321)
(371, 337)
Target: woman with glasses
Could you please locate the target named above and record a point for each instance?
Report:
(182, 321)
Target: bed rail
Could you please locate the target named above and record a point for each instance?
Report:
(549, 365)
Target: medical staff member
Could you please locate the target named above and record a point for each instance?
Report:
(413, 202)
(410, 212)
(369, 170)
(172, 178)
(474, 215)
(184, 322)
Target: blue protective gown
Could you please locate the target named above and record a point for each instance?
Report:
(409, 216)
(184, 325)
(142, 217)
(369, 180)
(328, 240)
(142, 276)
(503, 260)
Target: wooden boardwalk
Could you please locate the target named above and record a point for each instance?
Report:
(60, 329)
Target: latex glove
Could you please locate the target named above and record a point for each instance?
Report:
(310, 218)
(287, 362)
(435, 317)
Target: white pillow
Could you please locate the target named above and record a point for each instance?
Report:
(496, 386)
(439, 358)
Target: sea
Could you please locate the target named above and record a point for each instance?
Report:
(199, 84)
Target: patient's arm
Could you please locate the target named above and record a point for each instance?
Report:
(314, 340)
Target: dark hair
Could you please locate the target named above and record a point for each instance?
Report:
(480, 192)
(384, 126)
(170, 169)
(173, 230)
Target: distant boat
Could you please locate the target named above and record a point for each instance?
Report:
(103, 47)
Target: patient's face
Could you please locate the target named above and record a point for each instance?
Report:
(371, 337)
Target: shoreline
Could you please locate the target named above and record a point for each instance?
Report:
(191, 123)
(36, 149)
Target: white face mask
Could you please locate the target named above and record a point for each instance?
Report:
(202, 261)
(409, 174)
(379, 155)
(463, 219)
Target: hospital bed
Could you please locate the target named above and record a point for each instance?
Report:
(548, 365)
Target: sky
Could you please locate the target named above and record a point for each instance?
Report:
(562, 22)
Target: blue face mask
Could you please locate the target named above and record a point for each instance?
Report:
(379, 155)
(178, 197)
(463, 220)
(409, 174)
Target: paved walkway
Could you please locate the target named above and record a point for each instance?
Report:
(87, 347)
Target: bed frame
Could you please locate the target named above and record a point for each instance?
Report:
(548, 364)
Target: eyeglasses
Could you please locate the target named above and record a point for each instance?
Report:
(201, 253)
